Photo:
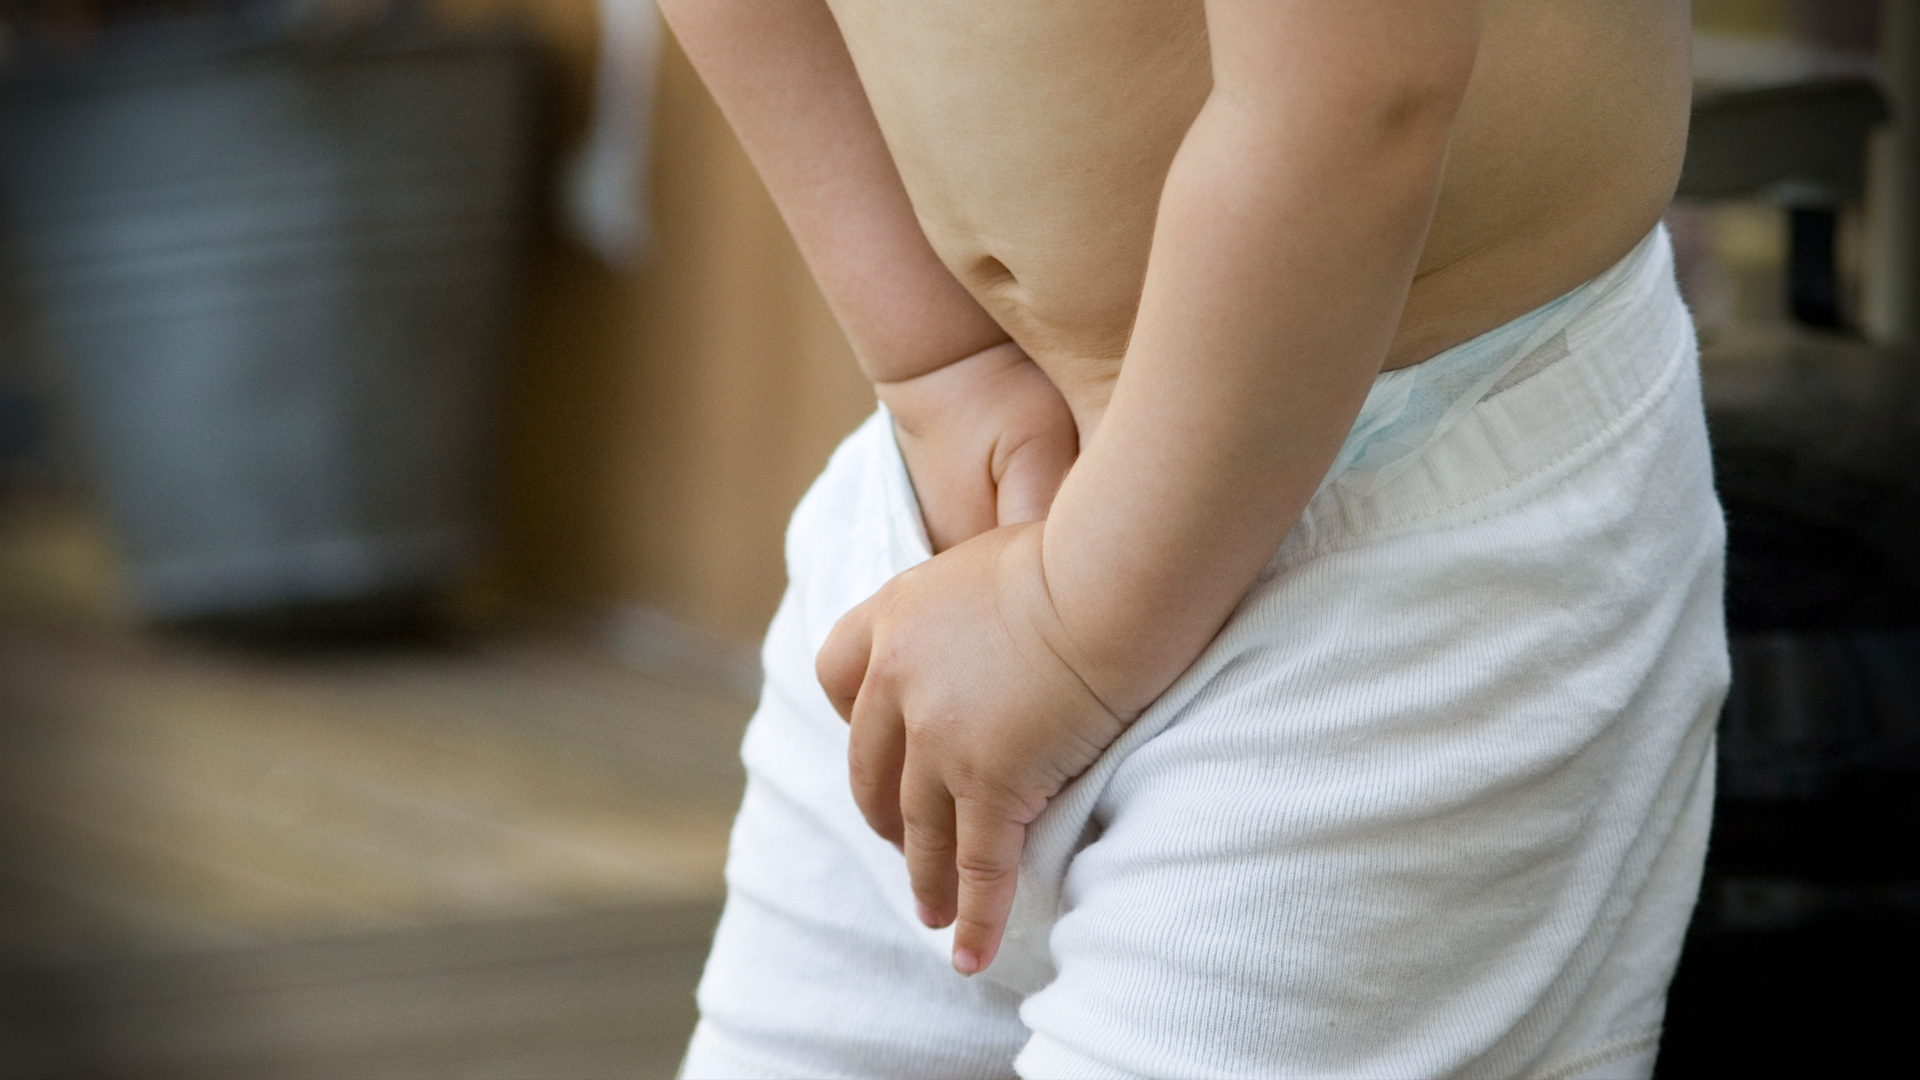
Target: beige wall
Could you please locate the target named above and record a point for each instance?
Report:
(1741, 16)
(665, 421)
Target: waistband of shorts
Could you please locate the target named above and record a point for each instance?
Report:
(1619, 357)
(1410, 409)
(1623, 354)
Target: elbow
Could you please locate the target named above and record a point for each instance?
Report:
(1372, 104)
(1397, 108)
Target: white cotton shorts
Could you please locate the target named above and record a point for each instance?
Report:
(1434, 802)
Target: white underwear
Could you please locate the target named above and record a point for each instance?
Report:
(1433, 803)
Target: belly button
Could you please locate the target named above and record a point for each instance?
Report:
(992, 271)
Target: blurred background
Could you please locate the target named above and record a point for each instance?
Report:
(401, 402)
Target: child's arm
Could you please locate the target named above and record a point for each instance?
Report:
(986, 436)
(1288, 234)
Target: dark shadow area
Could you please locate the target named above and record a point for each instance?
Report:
(1819, 998)
(412, 621)
(593, 995)
(1809, 918)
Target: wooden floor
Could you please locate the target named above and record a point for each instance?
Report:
(586, 996)
(168, 795)
(497, 857)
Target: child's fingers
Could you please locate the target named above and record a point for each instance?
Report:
(927, 810)
(841, 665)
(876, 750)
(987, 858)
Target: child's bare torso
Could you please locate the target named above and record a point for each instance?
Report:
(1034, 139)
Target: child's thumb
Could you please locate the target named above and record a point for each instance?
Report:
(841, 665)
(1031, 477)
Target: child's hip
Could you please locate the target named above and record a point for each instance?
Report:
(1449, 759)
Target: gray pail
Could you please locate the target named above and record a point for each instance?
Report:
(281, 278)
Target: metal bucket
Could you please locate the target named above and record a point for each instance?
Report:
(281, 279)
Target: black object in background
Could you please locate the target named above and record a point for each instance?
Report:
(1801, 954)
(1813, 275)
(1805, 146)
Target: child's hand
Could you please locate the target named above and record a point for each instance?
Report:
(967, 715)
(987, 440)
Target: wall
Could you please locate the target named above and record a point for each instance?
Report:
(665, 420)
(1741, 16)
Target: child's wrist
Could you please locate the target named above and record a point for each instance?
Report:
(1102, 660)
(1127, 662)
(921, 401)
(893, 376)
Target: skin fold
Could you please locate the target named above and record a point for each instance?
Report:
(1160, 249)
